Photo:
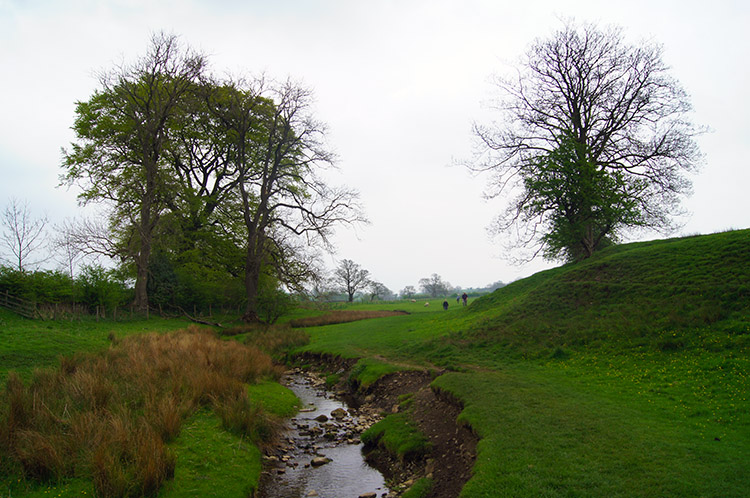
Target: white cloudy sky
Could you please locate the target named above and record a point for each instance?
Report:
(399, 83)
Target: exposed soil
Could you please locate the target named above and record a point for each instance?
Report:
(453, 451)
(453, 445)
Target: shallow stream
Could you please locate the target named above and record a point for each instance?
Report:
(324, 429)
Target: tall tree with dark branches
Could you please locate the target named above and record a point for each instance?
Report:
(351, 277)
(595, 140)
(122, 135)
(279, 151)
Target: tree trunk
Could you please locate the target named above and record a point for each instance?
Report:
(141, 292)
(148, 218)
(252, 278)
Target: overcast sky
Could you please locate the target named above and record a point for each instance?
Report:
(398, 83)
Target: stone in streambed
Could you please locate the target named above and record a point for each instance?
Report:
(319, 461)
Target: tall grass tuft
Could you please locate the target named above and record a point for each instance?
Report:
(43, 456)
(242, 417)
(108, 416)
(276, 339)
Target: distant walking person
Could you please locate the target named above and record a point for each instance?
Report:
(464, 297)
(445, 305)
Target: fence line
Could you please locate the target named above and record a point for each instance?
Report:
(21, 306)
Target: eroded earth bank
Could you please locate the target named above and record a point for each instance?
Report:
(448, 463)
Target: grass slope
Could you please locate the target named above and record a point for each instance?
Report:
(623, 375)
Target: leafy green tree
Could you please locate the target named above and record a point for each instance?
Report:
(595, 140)
(100, 287)
(122, 135)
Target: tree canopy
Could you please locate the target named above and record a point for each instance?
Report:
(594, 140)
(205, 178)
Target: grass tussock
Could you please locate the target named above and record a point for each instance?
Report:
(109, 416)
(273, 340)
(399, 436)
(343, 316)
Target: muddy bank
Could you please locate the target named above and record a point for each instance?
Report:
(451, 459)
(453, 451)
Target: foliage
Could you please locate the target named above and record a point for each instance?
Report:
(98, 286)
(95, 287)
(122, 134)
(208, 182)
(595, 141)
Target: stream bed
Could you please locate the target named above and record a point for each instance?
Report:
(321, 454)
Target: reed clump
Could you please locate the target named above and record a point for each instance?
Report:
(110, 416)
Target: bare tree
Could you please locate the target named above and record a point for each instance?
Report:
(351, 277)
(434, 285)
(23, 235)
(379, 291)
(594, 140)
(92, 236)
(408, 291)
(280, 149)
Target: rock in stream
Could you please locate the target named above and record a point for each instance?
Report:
(321, 454)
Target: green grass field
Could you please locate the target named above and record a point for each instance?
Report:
(623, 375)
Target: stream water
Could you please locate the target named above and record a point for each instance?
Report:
(323, 430)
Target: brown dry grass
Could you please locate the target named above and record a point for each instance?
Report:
(108, 416)
(334, 317)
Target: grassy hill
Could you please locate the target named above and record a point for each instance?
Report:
(623, 375)
(667, 291)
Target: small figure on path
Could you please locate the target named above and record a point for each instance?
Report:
(464, 297)
(445, 305)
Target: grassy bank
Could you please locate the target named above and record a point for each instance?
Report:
(624, 375)
(136, 414)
